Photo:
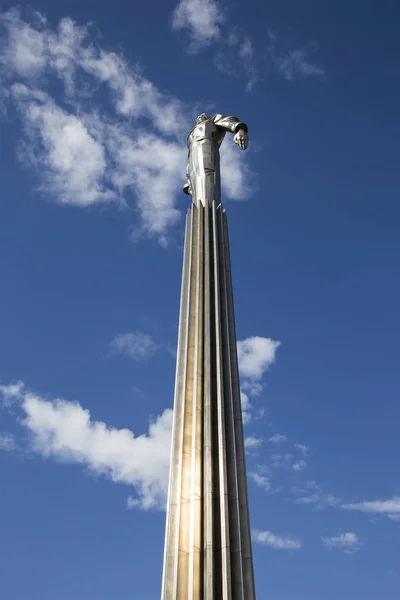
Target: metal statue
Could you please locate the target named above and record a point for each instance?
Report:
(203, 173)
(208, 551)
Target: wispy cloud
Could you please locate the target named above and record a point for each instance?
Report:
(201, 19)
(62, 147)
(394, 516)
(277, 439)
(7, 441)
(303, 449)
(253, 388)
(109, 134)
(137, 346)
(390, 508)
(246, 408)
(294, 63)
(252, 443)
(255, 355)
(132, 503)
(261, 480)
(236, 54)
(267, 538)
(66, 432)
(9, 393)
(348, 542)
(299, 465)
(313, 495)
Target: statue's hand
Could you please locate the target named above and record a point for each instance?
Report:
(241, 139)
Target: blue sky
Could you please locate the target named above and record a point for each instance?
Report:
(96, 101)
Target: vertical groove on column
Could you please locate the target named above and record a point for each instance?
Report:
(245, 537)
(223, 552)
(170, 572)
(235, 528)
(196, 492)
(208, 466)
(186, 479)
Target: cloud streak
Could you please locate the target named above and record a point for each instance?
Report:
(348, 542)
(252, 443)
(267, 538)
(201, 19)
(277, 439)
(7, 442)
(111, 135)
(261, 480)
(65, 431)
(390, 507)
(236, 55)
(314, 496)
(255, 356)
(138, 345)
(299, 465)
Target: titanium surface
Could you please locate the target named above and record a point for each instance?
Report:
(204, 141)
(208, 554)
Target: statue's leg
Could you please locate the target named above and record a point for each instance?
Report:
(203, 172)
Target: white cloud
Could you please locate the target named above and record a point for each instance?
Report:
(299, 465)
(25, 51)
(253, 388)
(70, 159)
(9, 393)
(65, 431)
(277, 439)
(236, 54)
(348, 542)
(261, 480)
(136, 345)
(394, 516)
(316, 497)
(246, 408)
(86, 151)
(295, 63)
(277, 542)
(69, 52)
(202, 19)
(237, 181)
(255, 355)
(390, 508)
(251, 442)
(285, 461)
(7, 442)
(303, 449)
(132, 503)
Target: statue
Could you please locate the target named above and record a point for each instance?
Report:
(203, 172)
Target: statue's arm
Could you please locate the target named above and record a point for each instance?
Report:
(231, 124)
(235, 126)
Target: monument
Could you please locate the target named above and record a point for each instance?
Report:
(208, 554)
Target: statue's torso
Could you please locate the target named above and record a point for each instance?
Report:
(206, 130)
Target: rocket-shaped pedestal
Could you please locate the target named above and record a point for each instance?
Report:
(208, 553)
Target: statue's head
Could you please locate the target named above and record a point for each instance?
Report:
(202, 117)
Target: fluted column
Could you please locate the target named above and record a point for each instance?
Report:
(207, 544)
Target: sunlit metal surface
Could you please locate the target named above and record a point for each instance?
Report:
(204, 141)
(208, 552)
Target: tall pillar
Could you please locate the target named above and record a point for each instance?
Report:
(208, 553)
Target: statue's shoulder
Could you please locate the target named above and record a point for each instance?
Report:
(218, 117)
